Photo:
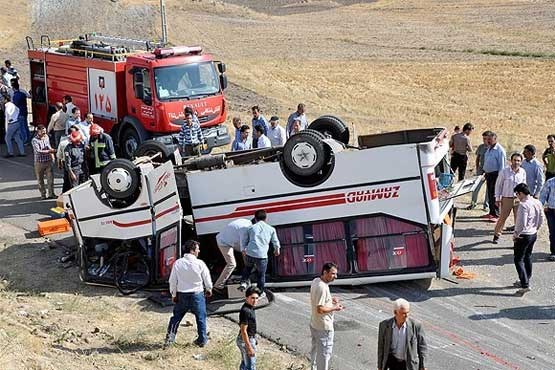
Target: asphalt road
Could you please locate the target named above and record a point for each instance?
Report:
(469, 324)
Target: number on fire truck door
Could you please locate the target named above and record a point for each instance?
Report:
(102, 93)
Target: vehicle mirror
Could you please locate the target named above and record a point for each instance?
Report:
(221, 67)
(223, 81)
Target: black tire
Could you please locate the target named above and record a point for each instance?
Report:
(331, 126)
(125, 167)
(306, 146)
(425, 284)
(151, 147)
(129, 142)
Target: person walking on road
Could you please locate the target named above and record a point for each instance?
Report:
(246, 340)
(189, 283)
(11, 112)
(461, 146)
(401, 341)
(480, 152)
(547, 198)
(534, 170)
(548, 157)
(230, 240)
(508, 178)
(255, 250)
(323, 306)
(528, 221)
(494, 162)
(43, 154)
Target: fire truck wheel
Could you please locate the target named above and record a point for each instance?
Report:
(304, 153)
(150, 148)
(331, 126)
(120, 179)
(129, 142)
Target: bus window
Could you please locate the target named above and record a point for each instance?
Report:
(384, 243)
(304, 249)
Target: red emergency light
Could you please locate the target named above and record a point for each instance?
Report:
(178, 50)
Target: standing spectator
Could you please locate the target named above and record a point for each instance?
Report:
(246, 340)
(19, 98)
(494, 162)
(258, 120)
(74, 119)
(68, 105)
(547, 198)
(534, 170)
(323, 305)
(4, 91)
(230, 240)
(480, 152)
(548, 157)
(60, 159)
(5, 76)
(255, 250)
(244, 142)
(296, 127)
(85, 127)
(11, 70)
(11, 113)
(189, 283)
(298, 114)
(57, 123)
(43, 162)
(401, 341)
(190, 136)
(528, 221)
(101, 149)
(237, 123)
(508, 179)
(276, 133)
(460, 144)
(74, 159)
(262, 140)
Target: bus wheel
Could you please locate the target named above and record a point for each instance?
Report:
(152, 147)
(331, 126)
(120, 179)
(304, 153)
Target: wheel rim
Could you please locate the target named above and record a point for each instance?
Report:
(304, 155)
(119, 180)
(131, 144)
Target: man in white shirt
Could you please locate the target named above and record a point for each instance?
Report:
(276, 133)
(508, 178)
(299, 115)
(230, 240)
(261, 139)
(11, 112)
(529, 218)
(85, 126)
(321, 320)
(189, 280)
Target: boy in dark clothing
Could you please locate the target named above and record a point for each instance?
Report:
(246, 340)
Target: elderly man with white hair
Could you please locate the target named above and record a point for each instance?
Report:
(401, 342)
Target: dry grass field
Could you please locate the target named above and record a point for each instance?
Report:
(380, 65)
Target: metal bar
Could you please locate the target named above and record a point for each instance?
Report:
(164, 24)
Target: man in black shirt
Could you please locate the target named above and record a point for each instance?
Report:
(246, 340)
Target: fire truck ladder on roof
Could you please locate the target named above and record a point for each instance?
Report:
(115, 40)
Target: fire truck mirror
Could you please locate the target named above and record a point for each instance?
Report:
(221, 67)
(223, 81)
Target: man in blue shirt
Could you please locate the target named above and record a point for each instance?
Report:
(534, 171)
(190, 137)
(20, 100)
(255, 250)
(237, 124)
(547, 198)
(258, 120)
(494, 161)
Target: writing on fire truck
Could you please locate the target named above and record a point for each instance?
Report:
(136, 90)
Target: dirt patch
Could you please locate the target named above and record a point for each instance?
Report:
(50, 320)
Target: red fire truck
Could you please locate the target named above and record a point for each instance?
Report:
(136, 90)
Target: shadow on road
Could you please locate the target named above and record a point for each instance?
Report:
(520, 313)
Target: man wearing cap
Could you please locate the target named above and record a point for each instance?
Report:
(43, 161)
(101, 149)
(299, 115)
(276, 133)
(74, 159)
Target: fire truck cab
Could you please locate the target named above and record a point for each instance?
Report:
(136, 90)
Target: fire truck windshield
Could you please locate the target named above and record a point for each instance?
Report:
(186, 81)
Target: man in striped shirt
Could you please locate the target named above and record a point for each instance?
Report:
(43, 161)
(190, 136)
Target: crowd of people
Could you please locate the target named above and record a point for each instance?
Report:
(191, 283)
(520, 185)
